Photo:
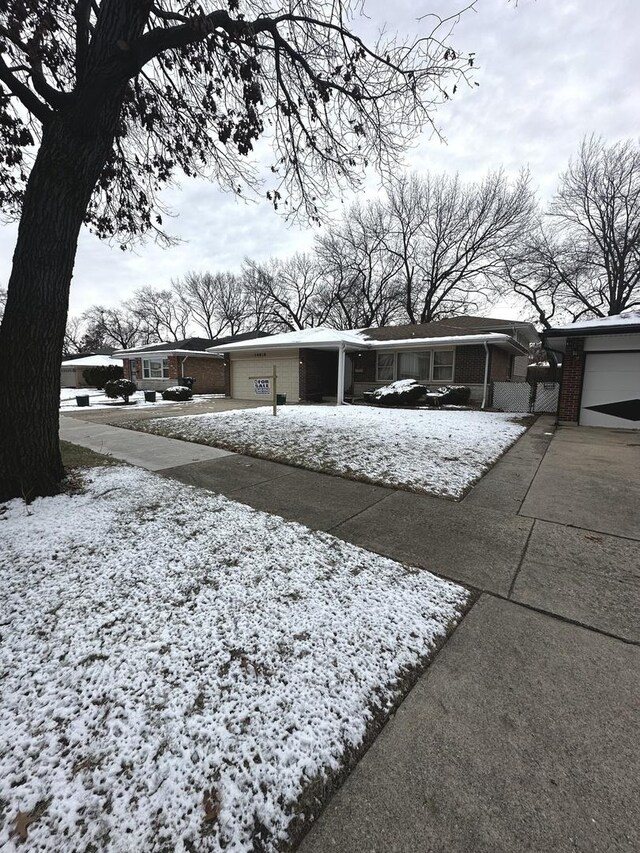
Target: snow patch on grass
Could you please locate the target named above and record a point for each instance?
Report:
(99, 400)
(438, 452)
(177, 667)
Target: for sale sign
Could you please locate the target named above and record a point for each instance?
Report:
(262, 386)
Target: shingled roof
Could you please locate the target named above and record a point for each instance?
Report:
(454, 326)
(194, 344)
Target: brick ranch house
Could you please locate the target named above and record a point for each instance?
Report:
(158, 366)
(322, 363)
(600, 383)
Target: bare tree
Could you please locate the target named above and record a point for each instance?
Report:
(163, 315)
(117, 327)
(289, 292)
(3, 299)
(582, 258)
(361, 275)
(449, 238)
(117, 96)
(596, 214)
(216, 302)
(73, 336)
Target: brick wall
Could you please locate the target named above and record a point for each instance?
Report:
(209, 374)
(132, 369)
(469, 365)
(571, 381)
(500, 365)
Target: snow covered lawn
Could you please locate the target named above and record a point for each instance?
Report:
(177, 668)
(99, 400)
(434, 451)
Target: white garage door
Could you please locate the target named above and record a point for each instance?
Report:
(251, 379)
(611, 390)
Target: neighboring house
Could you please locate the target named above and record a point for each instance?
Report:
(158, 366)
(72, 368)
(600, 383)
(326, 363)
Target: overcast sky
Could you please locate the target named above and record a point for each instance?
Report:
(549, 71)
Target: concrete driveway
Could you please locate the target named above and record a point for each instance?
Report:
(524, 733)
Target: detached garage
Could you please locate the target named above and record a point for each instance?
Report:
(600, 383)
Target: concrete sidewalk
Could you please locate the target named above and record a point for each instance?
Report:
(152, 452)
(524, 733)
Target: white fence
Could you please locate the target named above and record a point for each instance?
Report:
(525, 397)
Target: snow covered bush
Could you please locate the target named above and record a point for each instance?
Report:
(449, 395)
(120, 388)
(177, 392)
(404, 392)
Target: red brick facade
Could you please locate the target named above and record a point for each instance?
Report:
(571, 381)
(209, 373)
(468, 367)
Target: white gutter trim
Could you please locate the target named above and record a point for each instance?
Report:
(486, 375)
(340, 389)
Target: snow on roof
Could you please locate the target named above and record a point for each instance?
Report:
(93, 361)
(165, 352)
(317, 337)
(321, 337)
(626, 318)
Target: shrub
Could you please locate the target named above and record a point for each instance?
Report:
(450, 395)
(404, 392)
(120, 388)
(96, 377)
(178, 393)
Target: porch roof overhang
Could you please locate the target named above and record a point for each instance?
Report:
(132, 353)
(354, 341)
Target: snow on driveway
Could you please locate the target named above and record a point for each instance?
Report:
(176, 667)
(429, 450)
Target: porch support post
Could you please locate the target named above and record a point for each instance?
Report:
(340, 393)
(486, 376)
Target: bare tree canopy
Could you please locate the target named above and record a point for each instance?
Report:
(118, 96)
(583, 257)
(431, 248)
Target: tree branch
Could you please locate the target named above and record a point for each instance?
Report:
(35, 106)
(82, 15)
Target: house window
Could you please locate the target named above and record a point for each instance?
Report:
(414, 365)
(422, 365)
(385, 367)
(155, 368)
(443, 365)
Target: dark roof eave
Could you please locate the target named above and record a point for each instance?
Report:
(624, 328)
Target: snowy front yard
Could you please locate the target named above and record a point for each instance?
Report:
(177, 669)
(433, 451)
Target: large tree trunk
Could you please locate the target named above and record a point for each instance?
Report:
(68, 164)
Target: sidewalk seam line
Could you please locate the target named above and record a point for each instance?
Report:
(565, 619)
(535, 474)
(522, 559)
(360, 511)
